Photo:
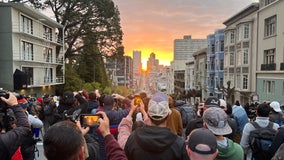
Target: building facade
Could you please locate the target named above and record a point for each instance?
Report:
(31, 53)
(240, 54)
(200, 72)
(270, 58)
(215, 63)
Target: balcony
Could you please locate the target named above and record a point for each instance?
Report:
(268, 67)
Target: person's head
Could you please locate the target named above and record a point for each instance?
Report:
(108, 102)
(263, 110)
(211, 102)
(229, 110)
(275, 106)
(92, 96)
(23, 103)
(215, 119)
(237, 103)
(158, 108)
(201, 144)
(63, 140)
(67, 99)
(171, 102)
(223, 104)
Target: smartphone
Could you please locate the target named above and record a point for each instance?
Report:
(90, 120)
(137, 100)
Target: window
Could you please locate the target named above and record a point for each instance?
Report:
(238, 85)
(269, 56)
(48, 76)
(27, 51)
(232, 58)
(221, 81)
(27, 25)
(267, 2)
(222, 46)
(47, 34)
(245, 56)
(221, 64)
(47, 54)
(232, 37)
(239, 58)
(239, 33)
(268, 87)
(246, 31)
(245, 81)
(270, 26)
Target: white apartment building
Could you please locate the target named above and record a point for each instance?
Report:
(29, 46)
(240, 51)
(184, 48)
(270, 57)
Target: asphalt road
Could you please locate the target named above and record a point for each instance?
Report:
(39, 155)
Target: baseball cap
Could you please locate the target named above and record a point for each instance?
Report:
(108, 102)
(223, 104)
(216, 121)
(276, 106)
(212, 102)
(23, 102)
(205, 137)
(158, 107)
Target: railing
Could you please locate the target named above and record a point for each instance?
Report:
(47, 81)
(268, 67)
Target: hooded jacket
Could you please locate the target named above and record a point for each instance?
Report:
(152, 143)
(232, 152)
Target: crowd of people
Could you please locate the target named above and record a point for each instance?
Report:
(152, 128)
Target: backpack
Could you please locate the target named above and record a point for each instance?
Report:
(260, 141)
(187, 114)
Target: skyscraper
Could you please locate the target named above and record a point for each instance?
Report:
(137, 65)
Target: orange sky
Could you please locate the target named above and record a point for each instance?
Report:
(152, 25)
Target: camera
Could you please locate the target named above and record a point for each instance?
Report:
(90, 120)
(7, 117)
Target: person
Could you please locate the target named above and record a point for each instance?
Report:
(232, 122)
(215, 119)
(156, 141)
(93, 103)
(197, 122)
(278, 141)
(201, 144)
(28, 146)
(112, 148)
(10, 140)
(240, 115)
(126, 126)
(276, 114)
(64, 140)
(262, 119)
(174, 122)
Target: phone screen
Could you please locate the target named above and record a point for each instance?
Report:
(90, 120)
(137, 100)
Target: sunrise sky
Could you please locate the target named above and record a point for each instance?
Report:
(152, 25)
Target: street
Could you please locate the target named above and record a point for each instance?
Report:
(39, 155)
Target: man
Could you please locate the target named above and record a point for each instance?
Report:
(241, 117)
(276, 114)
(156, 141)
(262, 119)
(202, 144)
(215, 119)
(10, 140)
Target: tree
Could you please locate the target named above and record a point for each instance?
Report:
(228, 92)
(81, 18)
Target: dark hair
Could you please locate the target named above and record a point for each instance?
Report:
(237, 103)
(63, 140)
(263, 110)
(67, 99)
(137, 124)
(229, 109)
(92, 96)
(158, 122)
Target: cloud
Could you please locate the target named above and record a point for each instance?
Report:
(154, 24)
